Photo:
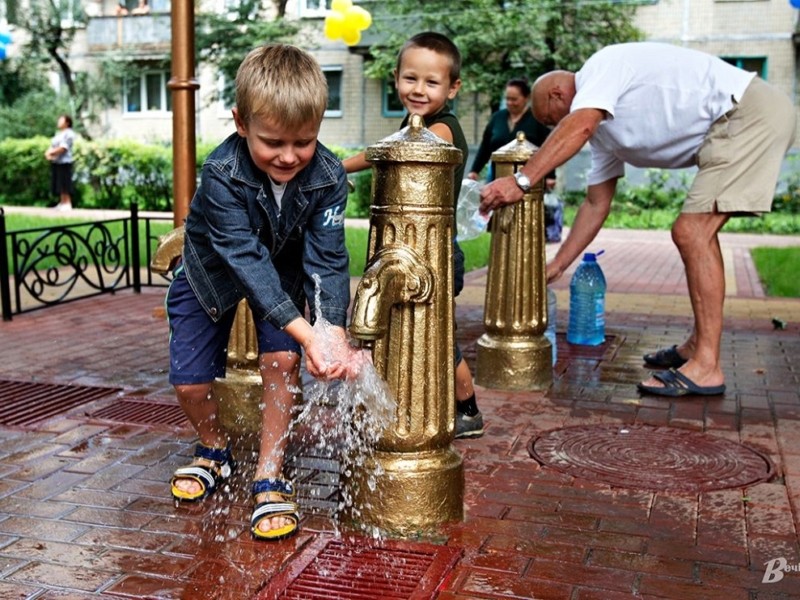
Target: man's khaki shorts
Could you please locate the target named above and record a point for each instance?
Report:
(740, 159)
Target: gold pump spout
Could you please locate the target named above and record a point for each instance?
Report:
(396, 275)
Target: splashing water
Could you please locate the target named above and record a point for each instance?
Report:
(340, 419)
(358, 409)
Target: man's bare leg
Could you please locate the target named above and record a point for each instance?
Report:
(695, 235)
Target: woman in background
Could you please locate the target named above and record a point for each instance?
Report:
(504, 125)
(60, 156)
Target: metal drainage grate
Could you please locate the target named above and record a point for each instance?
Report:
(142, 412)
(25, 403)
(358, 568)
(316, 479)
(646, 457)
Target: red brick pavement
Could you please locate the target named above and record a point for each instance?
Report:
(85, 510)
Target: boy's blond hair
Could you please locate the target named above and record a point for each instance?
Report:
(282, 83)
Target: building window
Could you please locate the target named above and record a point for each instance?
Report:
(392, 107)
(147, 93)
(752, 64)
(334, 77)
(314, 8)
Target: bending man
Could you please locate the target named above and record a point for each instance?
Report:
(657, 105)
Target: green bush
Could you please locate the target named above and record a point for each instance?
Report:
(359, 200)
(788, 200)
(117, 172)
(24, 172)
(656, 204)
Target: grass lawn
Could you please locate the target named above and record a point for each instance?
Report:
(476, 251)
(18, 222)
(773, 266)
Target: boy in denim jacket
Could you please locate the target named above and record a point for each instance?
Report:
(267, 216)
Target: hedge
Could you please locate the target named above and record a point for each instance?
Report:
(114, 173)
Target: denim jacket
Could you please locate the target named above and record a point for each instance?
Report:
(238, 246)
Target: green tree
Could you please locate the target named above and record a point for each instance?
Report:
(52, 25)
(500, 39)
(32, 114)
(18, 78)
(223, 40)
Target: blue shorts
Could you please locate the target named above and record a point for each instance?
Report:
(198, 345)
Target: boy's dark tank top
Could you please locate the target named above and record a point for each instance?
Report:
(459, 141)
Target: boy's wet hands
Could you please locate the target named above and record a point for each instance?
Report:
(330, 355)
(345, 359)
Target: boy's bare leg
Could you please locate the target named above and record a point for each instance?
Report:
(464, 387)
(280, 374)
(201, 410)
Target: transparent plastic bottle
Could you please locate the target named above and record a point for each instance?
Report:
(470, 223)
(587, 299)
(550, 332)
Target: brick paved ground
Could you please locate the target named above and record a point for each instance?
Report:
(85, 510)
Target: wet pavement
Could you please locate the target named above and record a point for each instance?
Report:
(85, 510)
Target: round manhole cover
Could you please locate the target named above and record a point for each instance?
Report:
(650, 458)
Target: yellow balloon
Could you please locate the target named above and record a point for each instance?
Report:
(334, 26)
(358, 17)
(351, 36)
(341, 6)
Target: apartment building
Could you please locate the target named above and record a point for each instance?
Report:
(361, 111)
(755, 34)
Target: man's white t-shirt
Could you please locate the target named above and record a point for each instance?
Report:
(660, 102)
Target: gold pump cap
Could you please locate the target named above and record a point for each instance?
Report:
(515, 151)
(414, 143)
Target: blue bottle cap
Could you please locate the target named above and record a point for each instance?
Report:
(591, 256)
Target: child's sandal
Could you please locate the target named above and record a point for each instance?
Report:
(208, 477)
(269, 509)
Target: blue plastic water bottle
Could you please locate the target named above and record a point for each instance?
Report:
(587, 300)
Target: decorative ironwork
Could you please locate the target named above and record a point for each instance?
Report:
(50, 265)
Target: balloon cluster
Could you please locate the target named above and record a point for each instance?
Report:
(5, 40)
(346, 22)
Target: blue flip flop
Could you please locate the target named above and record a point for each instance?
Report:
(665, 358)
(677, 384)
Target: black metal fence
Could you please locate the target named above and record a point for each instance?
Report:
(50, 265)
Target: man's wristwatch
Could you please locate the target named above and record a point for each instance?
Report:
(523, 182)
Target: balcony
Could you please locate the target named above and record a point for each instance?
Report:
(136, 34)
